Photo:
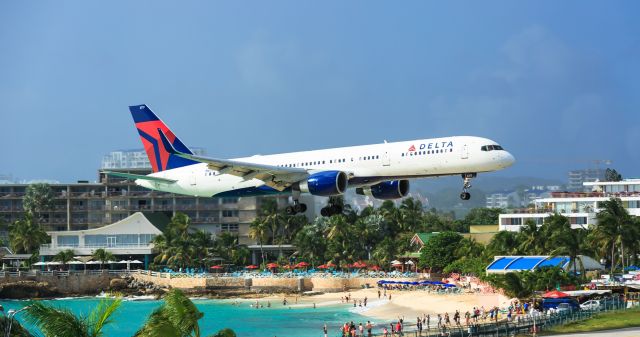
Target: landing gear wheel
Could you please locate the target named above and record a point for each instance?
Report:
(325, 211)
(289, 210)
(330, 210)
(299, 208)
(465, 195)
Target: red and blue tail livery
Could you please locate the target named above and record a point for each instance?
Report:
(148, 125)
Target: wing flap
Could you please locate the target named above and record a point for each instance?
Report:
(273, 176)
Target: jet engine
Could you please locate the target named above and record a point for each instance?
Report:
(325, 184)
(386, 190)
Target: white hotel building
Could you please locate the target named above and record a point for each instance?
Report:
(579, 207)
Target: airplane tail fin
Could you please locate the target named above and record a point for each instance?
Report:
(149, 125)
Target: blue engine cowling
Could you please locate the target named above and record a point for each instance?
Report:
(386, 190)
(325, 184)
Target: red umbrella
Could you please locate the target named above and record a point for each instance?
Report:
(286, 266)
(374, 268)
(253, 266)
(217, 267)
(322, 266)
(302, 264)
(272, 265)
(555, 294)
(359, 264)
(330, 264)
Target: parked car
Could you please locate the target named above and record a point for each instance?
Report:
(554, 303)
(590, 305)
(564, 308)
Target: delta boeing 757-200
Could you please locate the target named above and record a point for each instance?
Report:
(381, 171)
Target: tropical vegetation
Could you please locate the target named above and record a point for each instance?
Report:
(176, 317)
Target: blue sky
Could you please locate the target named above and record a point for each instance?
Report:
(556, 83)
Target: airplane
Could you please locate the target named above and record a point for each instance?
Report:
(381, 171)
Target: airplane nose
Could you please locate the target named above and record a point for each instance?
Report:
(508, 159)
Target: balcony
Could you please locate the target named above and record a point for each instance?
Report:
(594, 194)
(117, 249)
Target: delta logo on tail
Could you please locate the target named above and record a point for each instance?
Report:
(149, 127)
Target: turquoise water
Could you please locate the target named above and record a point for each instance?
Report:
(245, 321)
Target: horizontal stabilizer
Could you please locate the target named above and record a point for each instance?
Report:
(139, 176)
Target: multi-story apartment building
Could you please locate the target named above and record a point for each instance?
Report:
(136, 158)
(578, 177)
(85, 205)
(580, 207)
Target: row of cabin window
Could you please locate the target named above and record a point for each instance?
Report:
(320, 162)
(369, 157)
(426, 152)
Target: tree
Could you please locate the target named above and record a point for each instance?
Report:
(258, 230)
(411, 215)
(25, 235)
(59, 322)
(612, 175)
(38, 199)
(103, 256)
(567, 241)
(17, 330)
(438, 252)
(503, 243)
(529, 238)
(614, 222)
(177, 317)
(65, 256)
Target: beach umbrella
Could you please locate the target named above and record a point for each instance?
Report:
(359, 264)
(409, 262)
(395, 262)
(39, 264)
(53, 263)
(136, 261)
(555, 294)
(75, 262)
(330, 264)
(302, 265)
(322, 266)
(123, 261)
(375, 268)
(272, 265)
(251, 266)
(217, 268)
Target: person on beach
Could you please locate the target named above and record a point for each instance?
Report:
(361, 329)
(456, 317)
(365, 301)
(369, 326)
(324, 329)
(284, 301)
(467, 317)
(428, 321)
(447, 321)
(439, 320)
(379, 293)
(385, 332)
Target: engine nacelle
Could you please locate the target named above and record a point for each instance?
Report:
(325, 184)
(386, 190)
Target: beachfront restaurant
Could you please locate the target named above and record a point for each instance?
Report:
(507, 264)
(128, 239)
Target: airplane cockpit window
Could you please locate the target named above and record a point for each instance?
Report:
(491, 148)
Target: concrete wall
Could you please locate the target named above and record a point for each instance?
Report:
(295, 284)
(72, 284)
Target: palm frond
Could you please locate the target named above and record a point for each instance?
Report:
(56, 322)
(101, 315)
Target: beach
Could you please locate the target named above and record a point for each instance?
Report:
(403, 303)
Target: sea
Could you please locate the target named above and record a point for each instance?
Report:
(240, 315)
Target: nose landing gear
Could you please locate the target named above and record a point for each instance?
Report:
(465, 195)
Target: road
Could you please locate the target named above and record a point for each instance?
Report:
(629, 332)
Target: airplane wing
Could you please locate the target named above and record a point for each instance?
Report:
(139, 176)
(275, 177)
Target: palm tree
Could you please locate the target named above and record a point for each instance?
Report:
(59, 322)
(65, 256)
(529, 238)
(177, 317)
(103, 256)
(411, 214)
(25, 235)
(567, 241)
(258, 231)
(37, 199)
(613, 223)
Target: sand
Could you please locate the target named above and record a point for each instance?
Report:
(404, 303)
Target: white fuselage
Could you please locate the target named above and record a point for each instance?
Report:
(365, 165)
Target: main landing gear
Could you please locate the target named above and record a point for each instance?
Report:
(296, 208)
(330, 210)
(465, 195)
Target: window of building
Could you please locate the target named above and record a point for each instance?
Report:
(68, 240)
(230, 200)
(228, 213)
(232, 227)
